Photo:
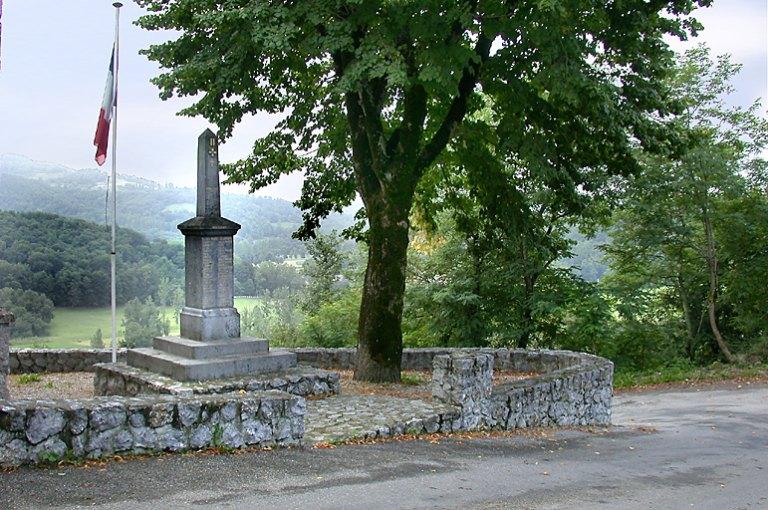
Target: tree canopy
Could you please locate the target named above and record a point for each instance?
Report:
(373, 92)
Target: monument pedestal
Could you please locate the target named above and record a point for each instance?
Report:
(184, 359)
(200, 324)
(210, 346)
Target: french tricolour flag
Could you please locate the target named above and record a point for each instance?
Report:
(105, 114)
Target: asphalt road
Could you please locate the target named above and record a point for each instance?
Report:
(704, 449)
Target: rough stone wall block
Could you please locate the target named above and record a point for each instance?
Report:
(60, 360)
(464, 380)
(38, 431)
(6, 322)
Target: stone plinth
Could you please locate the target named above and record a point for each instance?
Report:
(211, 366)
(209, 310)
(464, 380)
(6, 322)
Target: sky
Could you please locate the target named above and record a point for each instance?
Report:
(55, 56)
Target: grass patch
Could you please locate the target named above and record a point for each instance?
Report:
(29, 378)
(412, 379)
(72, 328)
(624, 379)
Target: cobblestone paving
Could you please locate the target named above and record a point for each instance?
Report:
(345, 417)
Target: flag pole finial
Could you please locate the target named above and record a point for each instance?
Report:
(117, 4)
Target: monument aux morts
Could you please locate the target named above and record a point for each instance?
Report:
(209, 345)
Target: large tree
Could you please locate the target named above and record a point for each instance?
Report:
(372, 93)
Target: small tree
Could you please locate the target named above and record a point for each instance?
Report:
(142, 322)
(97, 340)
(678, 212)
(322, 270)
(33, 311)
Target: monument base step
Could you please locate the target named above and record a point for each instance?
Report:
(185, 369)
(192, 349)
(120, 379)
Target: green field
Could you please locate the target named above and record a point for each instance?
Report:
(74, 327)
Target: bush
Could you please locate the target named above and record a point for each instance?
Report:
(33, 311)
(335, 322)
(142, 322)
(275, 316)
(97, 340)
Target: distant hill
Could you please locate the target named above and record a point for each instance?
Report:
(587, 255)
(147, 206)
(68, 260)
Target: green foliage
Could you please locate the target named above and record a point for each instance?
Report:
(556, 84)
(323, 270)
(97, 340)
(143, 321)
(475, 283)
(743, 237)
(33, 311)
(49, 458)
(265, 278)
(68, 260)
(683, 371)
(334, 323)
(275, 316)
(690, 235)
(413, 379)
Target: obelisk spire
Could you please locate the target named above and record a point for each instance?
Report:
(208, 193)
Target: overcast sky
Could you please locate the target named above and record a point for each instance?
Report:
(55, 55)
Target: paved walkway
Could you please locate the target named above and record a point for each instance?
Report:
(351, 416)
(680, 449)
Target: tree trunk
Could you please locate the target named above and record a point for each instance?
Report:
(525, 337)
(529, 281)
(712, 266)
(691, 337)
(380, 336)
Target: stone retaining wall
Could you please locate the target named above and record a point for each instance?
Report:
(520, 360)
(581, 393)
(6, 323)
(79, 360)
(38, 431)
(571, 389)
(25, 361)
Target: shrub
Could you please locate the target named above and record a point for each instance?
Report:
(33, 311)
(142, 322)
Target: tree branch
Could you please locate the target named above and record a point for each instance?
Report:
(361, 152)
(458, 108)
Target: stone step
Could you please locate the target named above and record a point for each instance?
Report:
(193, 349)
(185, 369)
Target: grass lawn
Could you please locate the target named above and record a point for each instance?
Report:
(73, 327)
(690, 375)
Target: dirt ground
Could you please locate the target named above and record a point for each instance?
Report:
(80, 385)
(415, 384)
(53, 385)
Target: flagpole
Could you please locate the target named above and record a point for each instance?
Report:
(113, 252)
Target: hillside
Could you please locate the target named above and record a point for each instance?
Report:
(146, 206)
(68, 260)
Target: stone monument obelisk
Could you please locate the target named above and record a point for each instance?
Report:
(209, 345)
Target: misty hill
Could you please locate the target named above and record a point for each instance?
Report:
(146, 206)
(68, 260)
